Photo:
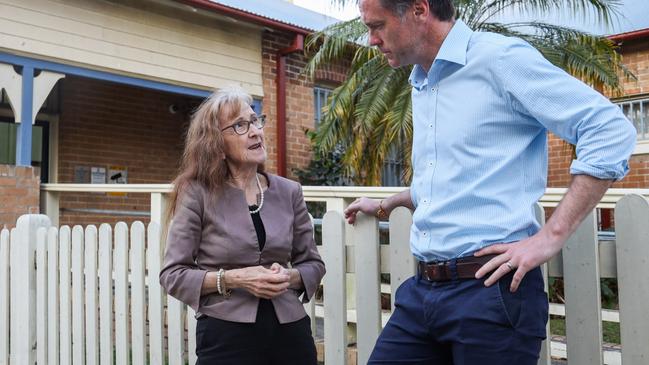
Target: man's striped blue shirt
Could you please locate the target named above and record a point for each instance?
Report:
(480, 119)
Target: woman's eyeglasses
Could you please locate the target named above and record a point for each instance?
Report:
(241, 127)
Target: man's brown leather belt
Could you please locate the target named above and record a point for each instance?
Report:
(466, 267)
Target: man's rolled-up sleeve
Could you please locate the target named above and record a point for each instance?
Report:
(603, 136)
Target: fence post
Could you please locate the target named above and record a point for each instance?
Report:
(137, 266)
(53, 300)
(545, 357)
(159, 207)
(78, 301)
(106, 300)
(339, 205)
(121, 297)
(23, 288)
(4, 296)
(402, 262)
(583, 298)
(41, 296)
(335, 312)
(368, 284)
(51, 206)
(91, 270)
(632, 236)
(156, 304)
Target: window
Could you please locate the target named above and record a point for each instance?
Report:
(257, 105)
(40, 132)
(320, 96)
(392, 169)
(40, 145)
(637, 111)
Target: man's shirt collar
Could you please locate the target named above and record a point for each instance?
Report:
(453, 50)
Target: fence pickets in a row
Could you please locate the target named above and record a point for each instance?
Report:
(91, 296)
(96, 297)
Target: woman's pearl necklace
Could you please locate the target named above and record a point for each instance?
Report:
(261, 192)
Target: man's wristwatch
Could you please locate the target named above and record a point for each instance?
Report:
(381, 213)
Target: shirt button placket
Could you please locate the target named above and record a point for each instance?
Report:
(433, 130)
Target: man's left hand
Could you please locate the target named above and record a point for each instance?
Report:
(521, 256)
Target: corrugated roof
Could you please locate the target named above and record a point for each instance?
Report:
(282, 11)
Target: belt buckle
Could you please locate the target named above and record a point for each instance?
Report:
(434, 268)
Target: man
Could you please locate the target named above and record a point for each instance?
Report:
(482, 104)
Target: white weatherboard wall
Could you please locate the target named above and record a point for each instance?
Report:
(136, 38)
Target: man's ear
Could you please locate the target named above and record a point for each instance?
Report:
(420, 7)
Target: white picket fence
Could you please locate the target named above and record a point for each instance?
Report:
(582, 262)
(88, 296)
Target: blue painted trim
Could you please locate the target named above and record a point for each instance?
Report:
(100, 75)
(24, 131)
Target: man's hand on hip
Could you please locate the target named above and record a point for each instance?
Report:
(581, 198)
(521, 256)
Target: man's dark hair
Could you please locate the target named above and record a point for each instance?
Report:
(441, 9)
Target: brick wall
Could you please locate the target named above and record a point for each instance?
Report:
(104, 124)
(19, 193)
(299, 100)
(636, 58)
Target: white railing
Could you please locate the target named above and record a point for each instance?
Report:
(335, 197)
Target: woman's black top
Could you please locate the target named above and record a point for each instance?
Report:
(259, 226)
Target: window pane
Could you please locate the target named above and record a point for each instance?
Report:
(637, 111)
(645, 119)
(320, 95)
(392, 169)
(8, 143)
(5, 146)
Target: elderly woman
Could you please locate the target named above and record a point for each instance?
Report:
(240, 248)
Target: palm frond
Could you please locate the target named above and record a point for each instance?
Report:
(333, 43)
(604, 11)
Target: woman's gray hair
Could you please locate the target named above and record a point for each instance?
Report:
(229, 97)
(441, 9)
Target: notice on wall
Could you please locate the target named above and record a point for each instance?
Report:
(81, 175)
(97, 175)
(117, 175)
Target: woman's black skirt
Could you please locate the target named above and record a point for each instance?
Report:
(265, 342)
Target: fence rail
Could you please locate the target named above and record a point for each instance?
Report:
(335, 197)
(86, 295)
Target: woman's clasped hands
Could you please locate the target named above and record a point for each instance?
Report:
(261, 282)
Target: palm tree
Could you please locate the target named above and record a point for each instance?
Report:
(370, 112)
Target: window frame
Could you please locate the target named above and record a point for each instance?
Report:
(319, 90)
(642, 143)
